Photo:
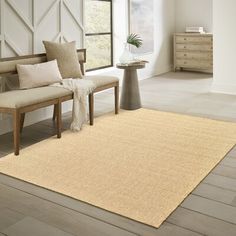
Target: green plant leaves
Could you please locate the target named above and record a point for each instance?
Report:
(134, 40)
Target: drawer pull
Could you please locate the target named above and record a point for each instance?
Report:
(185, 54)
(185, 39)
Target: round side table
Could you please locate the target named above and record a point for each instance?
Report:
(130, 96)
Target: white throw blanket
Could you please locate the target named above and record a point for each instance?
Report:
(81, 88)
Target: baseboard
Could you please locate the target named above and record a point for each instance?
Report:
(224, 88)
(164, 70)
(158, 72)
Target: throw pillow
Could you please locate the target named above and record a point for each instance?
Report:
(42, 74)
(66, 56)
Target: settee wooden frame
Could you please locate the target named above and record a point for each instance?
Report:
(8, 67)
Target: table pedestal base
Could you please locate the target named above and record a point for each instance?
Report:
(130, 96)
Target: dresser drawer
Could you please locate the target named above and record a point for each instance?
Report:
(193, 39)
(190, 63)
(194, 55)
(194, 47)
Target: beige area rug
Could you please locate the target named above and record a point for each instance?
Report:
(139, 164)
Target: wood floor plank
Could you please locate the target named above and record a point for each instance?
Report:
(221, 181)
(6, 143)
(215, 193)
(232, 157)
(83, 208)
(232, 153)
(2, 204)
(9, 217)
(31, 135)
(57, 216)
(168, 229)
(226, 171)
(211, 208)
(24, 203)
(233, 203)
(29, 226)
(79, 224)
(229, 162)
(203, 224)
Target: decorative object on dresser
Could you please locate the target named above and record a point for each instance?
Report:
(193, 51)
(192, 29)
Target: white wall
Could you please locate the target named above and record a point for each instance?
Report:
(194, 13)
(57, 26)
(224, 46)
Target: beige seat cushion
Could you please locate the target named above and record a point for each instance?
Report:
(66, 56)
(22, 98)
(102, 80)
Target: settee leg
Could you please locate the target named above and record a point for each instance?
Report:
(22, 120)
(91, 108)
(54, 113)
(58, 116)
(116, 88)
(16, 131)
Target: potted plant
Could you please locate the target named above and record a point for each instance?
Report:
(134, 40)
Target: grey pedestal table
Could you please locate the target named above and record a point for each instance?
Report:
(130, 96)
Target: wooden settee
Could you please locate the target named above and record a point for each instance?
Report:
(19, 102)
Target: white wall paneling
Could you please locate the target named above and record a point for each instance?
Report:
(25, 23)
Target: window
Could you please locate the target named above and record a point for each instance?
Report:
(98, 34)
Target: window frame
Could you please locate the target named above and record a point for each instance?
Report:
(104, 33)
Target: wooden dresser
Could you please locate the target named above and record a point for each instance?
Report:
(193, 52)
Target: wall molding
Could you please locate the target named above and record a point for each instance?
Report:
(31, 27)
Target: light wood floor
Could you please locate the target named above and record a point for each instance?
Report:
(209, 210)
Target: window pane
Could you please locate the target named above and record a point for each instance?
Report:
(97, 17)
(98, 51)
